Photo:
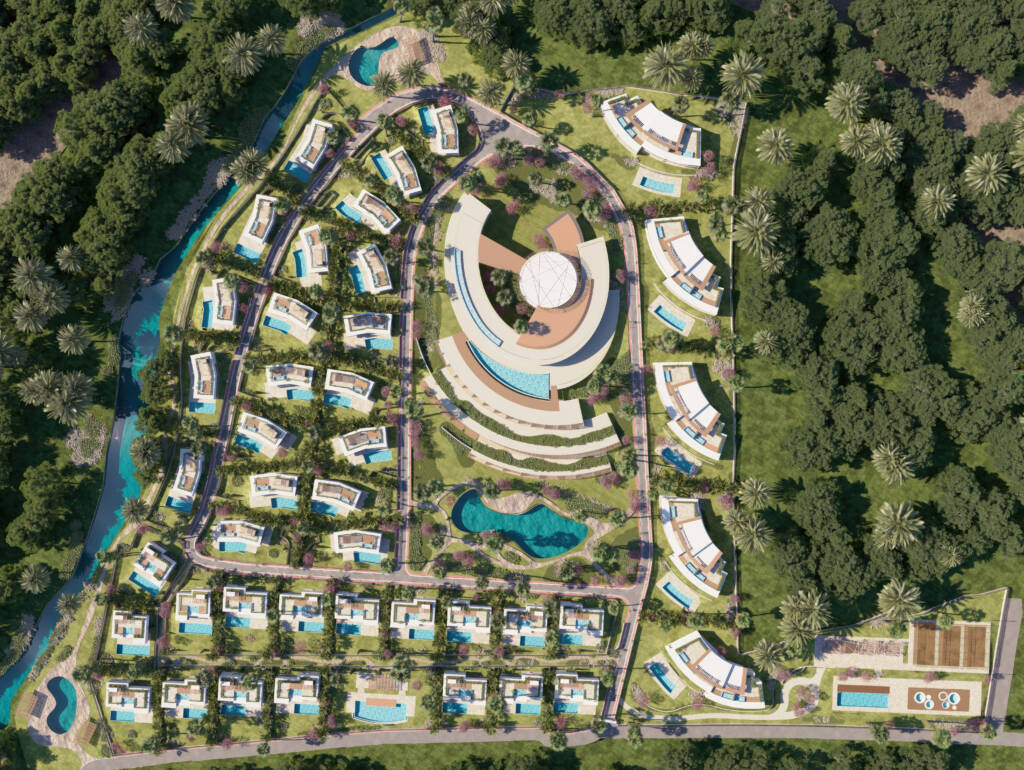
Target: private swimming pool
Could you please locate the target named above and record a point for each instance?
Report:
(535, 385)
(576, 640)
(146, 585)
(248, 443)
(382, 166)
(65, 703)
(677, 595)
(527, 708)
(357, 279)
(325, 508)
(540, 531)
(382, 715)
(300, 394)
(195, 628)
(679, 462)
(380, 456)
(365, 61)
(141, 650)
(566, 708)
(424, 634)
(451, 707)
(459, 636)
(249, 254)
(531, 641)
(665, 188)
(232, 709)
(336, 399)
(427, 121)
(277, 324)
(349, 629)
(300, 263)
(349, 212)
(299, 172)
(656, 670)
(311, 626)
(380, 343)
(291, 503)
(207, 315)
(233, 621)
(202, 407)
(306, 708)
(233, 547)
(365, 557)
(178, 504)
(671, 319)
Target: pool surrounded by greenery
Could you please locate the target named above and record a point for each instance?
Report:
(62, 716)
(365, 61)
(541, 532)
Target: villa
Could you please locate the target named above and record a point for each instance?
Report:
(463, 694)
(186, 481)
(220, 306)
(469, 622)
(236, 699)
(523, 694)
(130, 631)
(358, 545)
(364, 445)
(445, 140)
(290, 316)
(312, 145)
(129, 702)
(301, 612)
(405, 175)
(525, 627)
(413, 620)
(297, 694)
(689, 275)
(244, 607)
(348, 390)
(335, 498)
(184, 698)
(640, 126)
(368, 209)
(356, 615)
(692, 552)
(152, 568)
(691, 417)
(258, 434)
(369, 271)
(291, 381)
(579, 625)
(575, 694)
(192, 611)
(257, 230)
(237, 536)
(311, 262)
(723, 682)
(203, 395)
(368, 330)
(274, 490)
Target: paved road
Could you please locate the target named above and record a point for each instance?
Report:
(1002, 665)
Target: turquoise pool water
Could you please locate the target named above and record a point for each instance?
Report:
(248, 443)
(357, 279)
(535, 385)
(349, 629)
(300, 394)
(233, 621)
(291, 503)
(460, 278)
(380, 343)
(857, 699)
(576, 640)
(459, 636)
(527, 708)
(233, 547)
(335, 399)
(277, 324)
(382, 166)
(311, 626)
(202, 407)
(671, 319)
(380, 456)
(567, 708)
(232, 709)
(65, 702)
(540, 531)
(178, 504)
(455, 708)
(146, 585)
(249, 254)
(349, 212)
(325, 508)
(207, 315)
(531, 641)
(122, 716)
(191, 713)
(661, 675)
(380, 714)
(680, 597)
(427, 121)
(367, 558)
(297, 170)
(680, 462)
(300, 263)
(307, 708)
(133, 649)
(195, 628)
(365, 61)
(424, 634)
(657, 185)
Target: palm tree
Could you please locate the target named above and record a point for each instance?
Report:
(492, 92)
(11, 353)
(758, 198)
(752, 534)
(986, 174)
(766, 343)
(37, 388)
(70, 400)
(30, 275)
(1017, 155)
(973, 310)
(248, 166)
(773, 262)
(242, 55)
(774, 146)
(892, 463)
(696, 45)
(35, 578)
(492, 9)
(29, 317)
(140, 28)
(810, 608)
(846, 102)
(174, 11)
(854, 141)
(70, 258)
(52, 299)
(189, 121)
(757, 231)
(896, 526)
(67, 604)
(412, 74)
(743, 75)
(885, 145)
(899, 601)
(134, 511)
(73, 339)
(937, 201)
(384, 85)
(768, 655)
(794, 634)
(754, 493)
(515, 64)
(664, 65)
(691, 81)
(171, 148)
(270, 39)
(434, 20)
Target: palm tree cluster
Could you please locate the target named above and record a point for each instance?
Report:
(973, 310)
(750, 532)
(899, 601)
(478, 20)
(41, 295)
(876, 142)
(185, 127)
(987, 174)
(896, 526)
(892, 463)
(804, 615)
(64, 396)
(846, 102)
(774, 146)
(668, 65)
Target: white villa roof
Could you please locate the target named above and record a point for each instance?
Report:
(660, 123)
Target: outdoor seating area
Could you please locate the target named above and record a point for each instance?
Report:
(369, 271)
(203, 393)
(356, 615)
(445, 139)
(722, 681)
(244, 607)
(689, 275)
(312, 146)
(183, 489)
(238, 536)
(525, 626)
(349, 390)
(580, 626)
(237, 699)
(130, 632)
(469, 622)
(692, 553)
(127, 702)
(193, 611)
(368, 330)
(152, 568)
(301, 612)
(364, 445)
(289, 316)
(274, 490)
(311, 261)
(691, 417)
(297, 694)
(358, 545)
(220, 306)
(336, 498)
(258, 434)
(575, 694)
(291, 381)
(463, 694)
(258, 228)
(413, 619)
(183, 698)
(641, 127)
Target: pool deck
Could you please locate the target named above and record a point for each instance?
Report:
(658, 176)
(671, 307)
(678, 687)
(901, 696)
(412, 44)
(672, 579)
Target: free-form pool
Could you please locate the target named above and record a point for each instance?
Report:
(65, 702)
(534, 385)
(365, 62)
(540, 531)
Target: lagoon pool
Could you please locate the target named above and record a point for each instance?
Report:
(65, 703)
(365, 61)
(383, 715)
(249, 254)
(540, 531)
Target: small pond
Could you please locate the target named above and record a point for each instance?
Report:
(540, 531)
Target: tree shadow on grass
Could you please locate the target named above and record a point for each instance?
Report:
(559, 77)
